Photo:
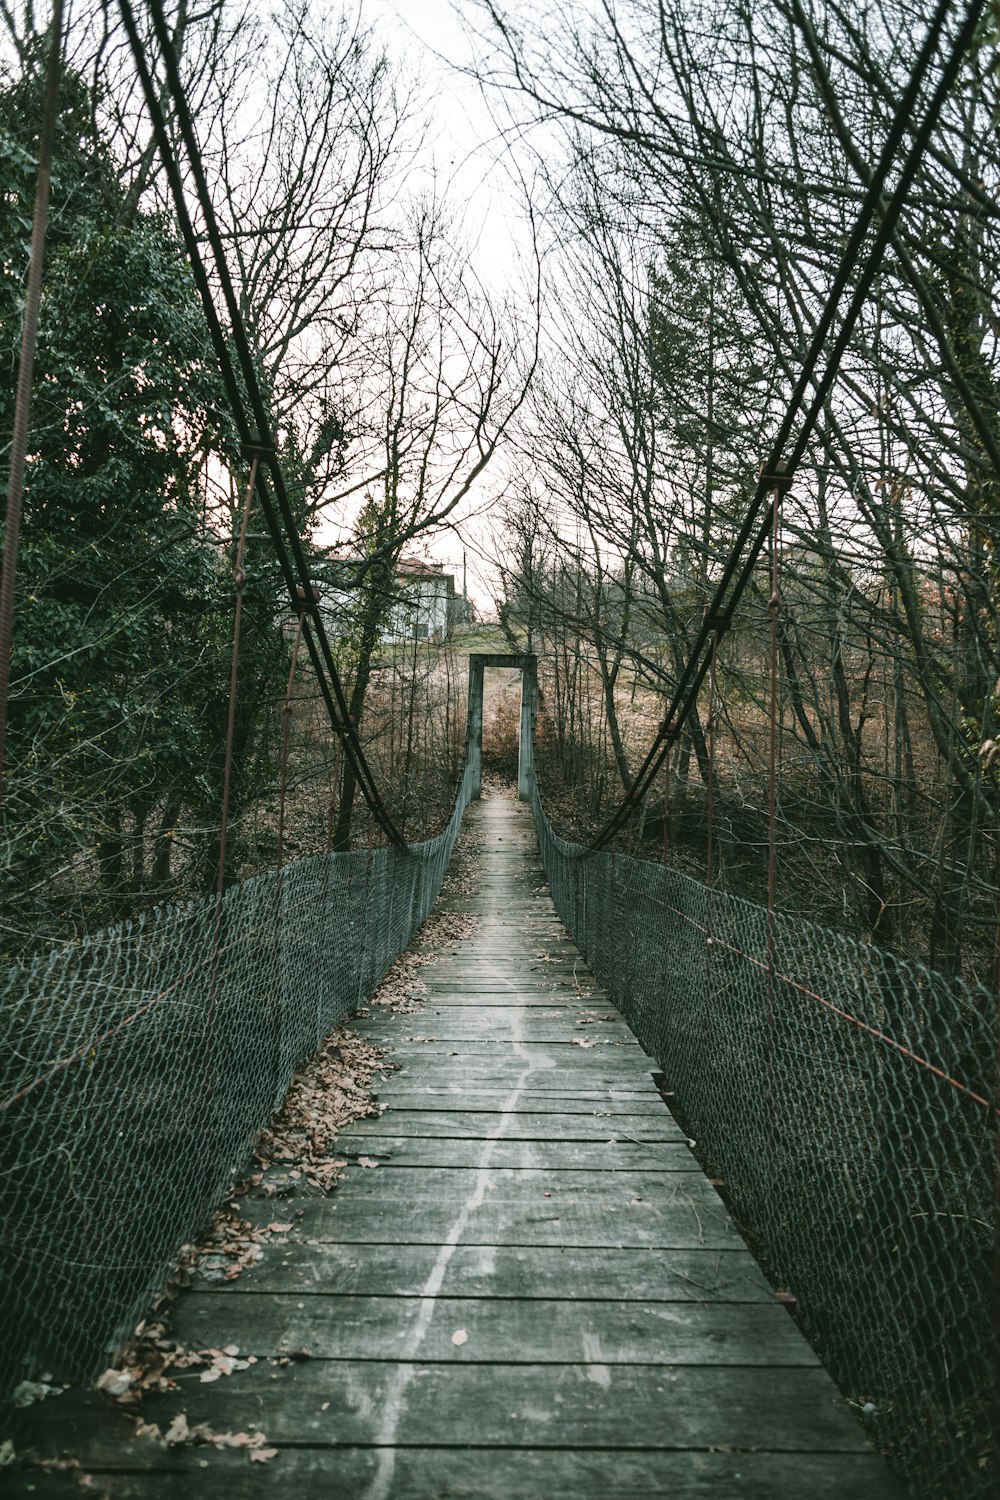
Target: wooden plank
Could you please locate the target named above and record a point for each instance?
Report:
(505, 1330)
(582, 986)
(536, 1062)
(394, 1269)
(652, 1189)
(496, 971)
(537, 958)
(471, 1474)
(464, 991)
(460, 989)
(469, 1025)
(417, 1219)
(417, 1153)
(509, 969)
(530, 928)
(593, 1103)
(510, 1089)
(477, 1024)
(623, 1054)
(443, 996)
(580, 1124)
(409, 1048)
(537, 952)
(326, 1403)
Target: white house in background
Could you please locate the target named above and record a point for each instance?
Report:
(426, 605)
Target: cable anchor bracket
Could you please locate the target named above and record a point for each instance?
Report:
(779, 478)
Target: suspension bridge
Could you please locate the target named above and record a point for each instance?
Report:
(671, 1193)
(536, 1291)
(543, 1285)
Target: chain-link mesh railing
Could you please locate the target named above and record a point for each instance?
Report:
(846, 1099)
(137, 1067)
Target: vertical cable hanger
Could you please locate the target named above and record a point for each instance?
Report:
(239, 581)
(779, 489)
(667, 775)
(286, 727)
(710, 726)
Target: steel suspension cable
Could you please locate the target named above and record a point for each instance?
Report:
(782, 460)
(256, 434)
(979, 418)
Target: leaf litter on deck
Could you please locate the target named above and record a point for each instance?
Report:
(294, 1150)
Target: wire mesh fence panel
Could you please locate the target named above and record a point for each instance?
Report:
(846, 1098)
(138, 1066)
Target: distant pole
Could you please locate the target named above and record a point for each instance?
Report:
(25, 370)
(465, 580)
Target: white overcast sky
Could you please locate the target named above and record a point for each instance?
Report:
(463, 144)
(468, 156)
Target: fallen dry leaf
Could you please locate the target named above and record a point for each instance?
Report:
(178, 1432)
(366, 1161)
(332, 1089)
(30, 1391)
(114, 1382)
(459, 1337)
(254, 1441)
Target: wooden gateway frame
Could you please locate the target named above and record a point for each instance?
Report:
(528, 666)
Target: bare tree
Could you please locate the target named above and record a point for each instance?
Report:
(444, 373)
(734, 146)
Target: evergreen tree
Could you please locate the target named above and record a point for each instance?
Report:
(123, 604)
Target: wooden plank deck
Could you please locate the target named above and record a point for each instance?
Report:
(536, 1295)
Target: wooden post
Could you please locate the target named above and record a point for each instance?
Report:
(528, 667)
(526, 744)
(475, 729)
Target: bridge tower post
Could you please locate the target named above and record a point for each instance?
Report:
(526, 743)
(474, 741)
(527, 664)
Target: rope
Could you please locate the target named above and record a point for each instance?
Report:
(774, 608)
(710, 833)
(316, 638)
(665, 831)
(277, 509)
(239, 579)
(782, 461)
(286, 726)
